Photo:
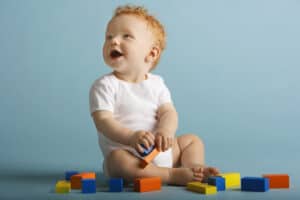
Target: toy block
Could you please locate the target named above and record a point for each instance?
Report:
(146, 151)
(232, 180)
(68, 174)
(255, 184)
(63, 187)
(116, 185)
(217, 181)
(148, 158)
(76, 179)
(88, 186)
(202, 188)
(88, 175)
(147, 184)
(278, 180)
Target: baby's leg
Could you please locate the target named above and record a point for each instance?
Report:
(121, 163)
(188, 151)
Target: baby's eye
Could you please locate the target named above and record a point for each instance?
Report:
(126, 36)
(109, 37)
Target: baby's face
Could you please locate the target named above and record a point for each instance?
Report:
(128, 42)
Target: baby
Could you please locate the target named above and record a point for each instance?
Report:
(132, 107)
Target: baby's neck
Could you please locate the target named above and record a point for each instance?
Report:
(131, 78)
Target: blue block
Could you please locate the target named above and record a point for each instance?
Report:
(69, 174)
(88, 186)
(217, 181)
(255, 184)
(116, 185)
(146, 151)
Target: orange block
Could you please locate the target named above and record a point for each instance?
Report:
(88, 175)
(148, 159)
(147, 184)
(76, 179)
(278, 180)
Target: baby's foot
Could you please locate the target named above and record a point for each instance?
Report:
(181, 176)
(205, 172)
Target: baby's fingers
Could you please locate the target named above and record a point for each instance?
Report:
(145, 143)
(165, 144)
(139, 148)
(151, 136)
(150, 139)
(158, 143)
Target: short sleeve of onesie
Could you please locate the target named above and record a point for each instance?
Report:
(101, 96)
(164, 93)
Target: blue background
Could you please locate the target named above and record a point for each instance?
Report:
(232, 68)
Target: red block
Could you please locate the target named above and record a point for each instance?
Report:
(278, 180)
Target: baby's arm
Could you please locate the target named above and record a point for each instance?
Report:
(111, 128)
(167, 126)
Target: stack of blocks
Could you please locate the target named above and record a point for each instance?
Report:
(85, 181)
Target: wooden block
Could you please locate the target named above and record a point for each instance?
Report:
(76, 179)
(202, 188)
(88, 186)
(278, 180)
(232, 179)
(217, 181)
(88, 175)
(148, 159)
(116, 185)
(147, 184)
(63, 187)
(146, 151)
(255, 184)
(69, 174)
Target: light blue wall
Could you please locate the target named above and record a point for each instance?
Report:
(232, 67)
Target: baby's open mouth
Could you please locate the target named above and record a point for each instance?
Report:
(115, 54)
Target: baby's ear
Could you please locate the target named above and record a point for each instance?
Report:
(153, 54)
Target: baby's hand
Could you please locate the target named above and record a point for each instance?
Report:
(140, 138)
(162, 142)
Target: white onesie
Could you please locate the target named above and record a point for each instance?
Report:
(134, 105)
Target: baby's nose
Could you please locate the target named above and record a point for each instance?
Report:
(115, 41)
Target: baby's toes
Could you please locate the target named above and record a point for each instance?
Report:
(213, 171)
(210, 171)
(198, 176)
(198, 170)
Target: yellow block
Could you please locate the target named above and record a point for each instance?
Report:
(63, 187)
(232, 179)
(201, 188)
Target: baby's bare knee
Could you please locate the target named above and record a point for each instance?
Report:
(114, 161)
(120, 162)
(193, 138)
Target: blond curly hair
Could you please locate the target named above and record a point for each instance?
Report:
(155, 26)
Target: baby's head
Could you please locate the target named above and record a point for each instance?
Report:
(134, 40)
